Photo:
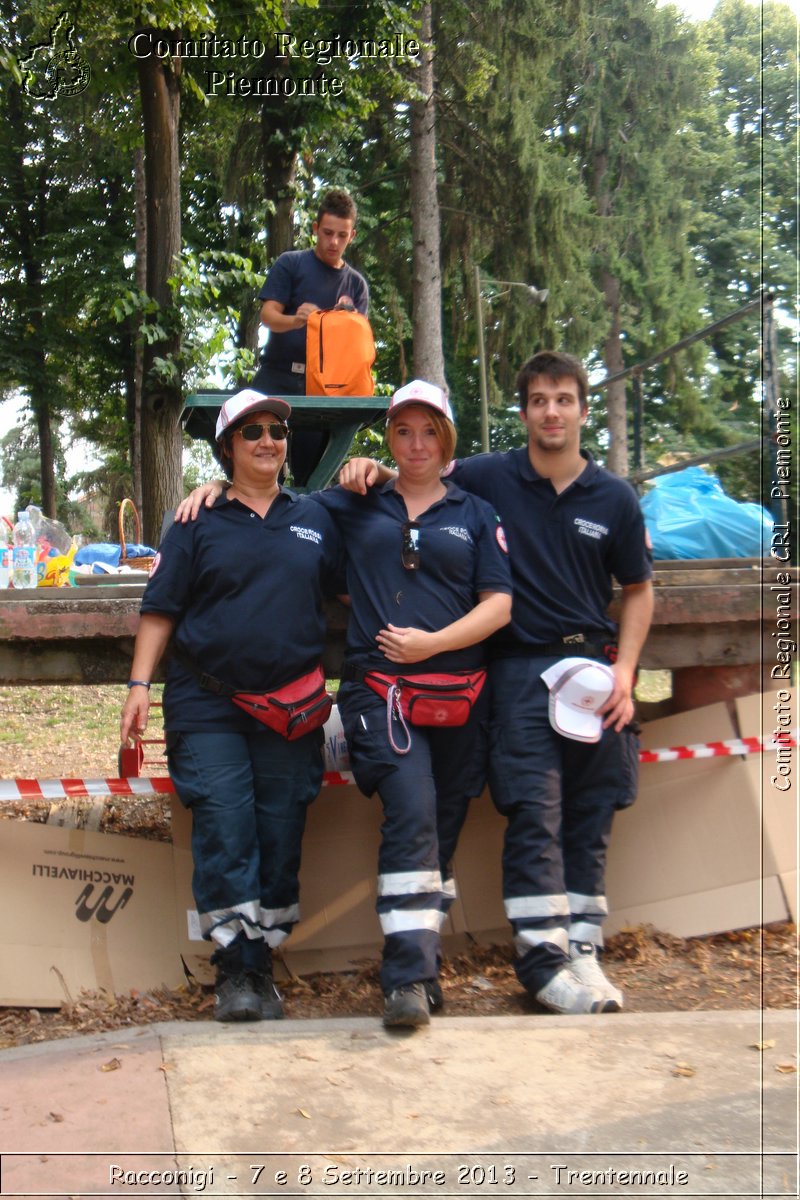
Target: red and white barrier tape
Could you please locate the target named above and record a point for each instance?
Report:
(750, 745)
(140, 785)
(143, 785)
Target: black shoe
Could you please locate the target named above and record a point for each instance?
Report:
(271, 999)
(407, 1006)
(433, 990)
(236, 998)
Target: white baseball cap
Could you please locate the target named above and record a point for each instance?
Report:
(578, 687)
(420, 392)
(246, 402)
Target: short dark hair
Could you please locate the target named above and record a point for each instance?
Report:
(224, 454)
(338, 203)
(555, 365)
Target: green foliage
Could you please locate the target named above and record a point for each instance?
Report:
(19, 470)
(582, 142)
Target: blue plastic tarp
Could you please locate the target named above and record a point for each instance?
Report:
(110, 553)
(688, 515)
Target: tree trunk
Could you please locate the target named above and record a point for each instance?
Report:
(616, 408)
(425, 224)
(132, 350)
(161, 398)
(278, 170)
(616, 415)
(140, 217)
(31, 207)
(44, 428)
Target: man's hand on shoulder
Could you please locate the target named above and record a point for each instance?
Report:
(360, 474)
(207, 493)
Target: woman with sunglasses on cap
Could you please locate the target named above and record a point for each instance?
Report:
(428, 580)
(237, 597)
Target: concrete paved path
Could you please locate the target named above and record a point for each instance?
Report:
(679, 1104)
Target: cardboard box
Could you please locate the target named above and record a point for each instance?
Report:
(83, 910)
(774, 776)
(339, 925)
(92, 910)
(687, 856)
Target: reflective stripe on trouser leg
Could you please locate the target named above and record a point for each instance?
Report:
(587, 914)
(460, 765)
(223, 925)
(525, 780)
(591, 786)
(248, 794)
(410, 900)
(539, 924)
(438, 767)
(410, 897)
(449, 893)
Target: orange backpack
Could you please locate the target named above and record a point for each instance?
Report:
(340, 351)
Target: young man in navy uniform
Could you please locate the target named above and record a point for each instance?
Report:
(571, 526)
(298, 283)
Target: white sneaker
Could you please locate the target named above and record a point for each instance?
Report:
(563, 994)
(587, 971)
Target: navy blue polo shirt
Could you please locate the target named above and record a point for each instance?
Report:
(246, 594)
(461, 553)
(564, 549)
(299, 277)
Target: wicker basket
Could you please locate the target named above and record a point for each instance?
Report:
(143, 563)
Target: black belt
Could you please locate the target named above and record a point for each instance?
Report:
(578, 644)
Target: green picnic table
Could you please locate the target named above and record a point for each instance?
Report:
(340, 417)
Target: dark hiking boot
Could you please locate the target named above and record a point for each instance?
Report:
(236, 998)
(407, 1006)
(257, 960)
(235, 995)
(271, 999)
(435, 995)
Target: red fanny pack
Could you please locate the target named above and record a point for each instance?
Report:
(445, 699)
(293, 710)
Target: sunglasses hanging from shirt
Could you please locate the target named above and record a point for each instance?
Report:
(410, 551)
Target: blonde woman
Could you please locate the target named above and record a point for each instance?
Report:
(428, 579)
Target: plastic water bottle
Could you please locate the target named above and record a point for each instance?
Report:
(5, 566)
(24, 558)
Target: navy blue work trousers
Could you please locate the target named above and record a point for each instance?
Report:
(248, 794)
(425, 794)
(558, 797)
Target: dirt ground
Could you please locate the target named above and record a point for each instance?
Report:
(747, 968)
(751, 968)
(39, 739)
